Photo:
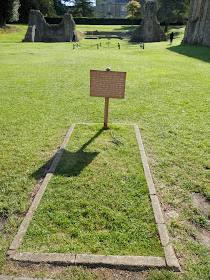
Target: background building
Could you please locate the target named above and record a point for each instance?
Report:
(112, 8)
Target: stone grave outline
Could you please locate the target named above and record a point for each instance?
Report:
(170, 260)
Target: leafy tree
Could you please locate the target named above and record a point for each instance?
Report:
(49, 8)
(134, 8)
(60, 8)
(82, 8)
(172, 10)
(8, 11)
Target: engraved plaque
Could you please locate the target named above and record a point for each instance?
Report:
(110, 84)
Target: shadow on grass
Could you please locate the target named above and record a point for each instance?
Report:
(194, 51)
(70, 164)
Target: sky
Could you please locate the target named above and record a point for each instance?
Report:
(71, 4)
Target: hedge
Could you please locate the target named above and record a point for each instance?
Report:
(97, 21)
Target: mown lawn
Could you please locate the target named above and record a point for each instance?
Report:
(44, 88)
(98, 200)
(116, 28)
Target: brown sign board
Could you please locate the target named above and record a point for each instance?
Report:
(109, 84)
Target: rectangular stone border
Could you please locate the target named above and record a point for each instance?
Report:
(120, 262)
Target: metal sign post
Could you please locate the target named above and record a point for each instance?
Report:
(108, 84)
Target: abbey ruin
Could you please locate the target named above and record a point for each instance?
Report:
(198, 27)
(40, 31)
(149, 30)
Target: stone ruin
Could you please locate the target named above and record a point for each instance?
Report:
(40, 31)
(198, 27)
(149, 29)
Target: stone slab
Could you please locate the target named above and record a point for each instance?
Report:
(52, 258)
(171, 259)
(147, 172)
(157, 209)
(120, 262)
(164, 235)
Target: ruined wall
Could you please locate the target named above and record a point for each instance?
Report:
(198, 26)
(40, 31)
(149, 30)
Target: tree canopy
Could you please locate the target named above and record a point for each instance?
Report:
(172, 10)
(48, 8)
(9, 11)
(81, 8)
(134, 8)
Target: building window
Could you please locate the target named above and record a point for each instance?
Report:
(122, 8)
(109, 8)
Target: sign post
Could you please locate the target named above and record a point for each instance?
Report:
(108, 84)
(106, 111)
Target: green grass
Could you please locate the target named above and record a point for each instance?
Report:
(116, 28)
(44, 88)
(98, 200)
(15, 33)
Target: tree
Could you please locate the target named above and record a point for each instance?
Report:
(134, 8)
(49, 8)
(8, 11)
(59, 7)
(172, 10)
(82, 8)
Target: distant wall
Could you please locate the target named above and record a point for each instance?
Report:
(198, 27)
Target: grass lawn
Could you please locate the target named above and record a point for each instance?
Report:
(98, 201)
(44, 88)
(116, 28)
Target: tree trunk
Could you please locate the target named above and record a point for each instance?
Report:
(3, 18)
(166, 27)
(2, 22)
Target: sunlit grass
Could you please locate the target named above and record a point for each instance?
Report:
(98, 199)
(44, 88)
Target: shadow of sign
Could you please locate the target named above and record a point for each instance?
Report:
(71, 163)
(194, 51)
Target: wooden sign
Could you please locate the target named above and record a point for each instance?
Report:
(110, 84)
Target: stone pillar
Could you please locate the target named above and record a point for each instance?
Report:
(198, 27)
(69, 28)
(149, 30)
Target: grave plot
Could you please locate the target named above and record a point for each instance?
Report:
(97, 201)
